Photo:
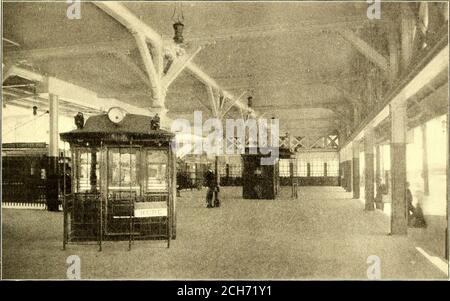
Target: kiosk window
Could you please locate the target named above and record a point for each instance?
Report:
(88, 170)
(123, 169)
(157, 171)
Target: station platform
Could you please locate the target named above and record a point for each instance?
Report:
(324, 234)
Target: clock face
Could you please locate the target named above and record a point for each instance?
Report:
(116, 115)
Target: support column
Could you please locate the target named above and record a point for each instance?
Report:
(426, 185)
(355, 169)
(379, 194)
(53, 153)
(216, 191)
(399, 222)
(349, 175)
(369, 172)
(293, 182)
(216, 170)
(348, 170)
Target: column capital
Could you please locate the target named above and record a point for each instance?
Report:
(397, 103)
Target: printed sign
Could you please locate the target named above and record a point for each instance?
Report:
(150, 209)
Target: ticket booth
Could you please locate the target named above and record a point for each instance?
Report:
(261, 181)
(123, 180)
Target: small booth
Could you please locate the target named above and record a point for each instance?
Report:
(261, 181)
(123, 180)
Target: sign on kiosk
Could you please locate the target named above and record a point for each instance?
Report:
(150, 209)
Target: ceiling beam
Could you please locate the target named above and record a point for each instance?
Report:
(225, 111)
(136, 26)
(243, 82)
(72, 50)
(262, 85)
(350, 96)
(207, 80)
(177, 66)
(142, 35)
(84, 97)
(308, 122)
(127, 61)
(300, 106)
(24, 73)
(70, 92)
(309, 119)
(309, 128)
(212, 100)
(158, 100)
(244, 33)
(124, 16)
(365, 49)
(412, 85)
(301, 27)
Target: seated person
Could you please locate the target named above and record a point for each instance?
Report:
(415, 214)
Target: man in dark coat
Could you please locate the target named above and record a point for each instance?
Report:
(210, 181)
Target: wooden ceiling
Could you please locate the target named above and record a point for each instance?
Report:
(288, 56)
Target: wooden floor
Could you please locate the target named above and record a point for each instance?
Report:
(322, 235)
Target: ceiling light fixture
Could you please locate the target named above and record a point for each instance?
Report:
(178, 25)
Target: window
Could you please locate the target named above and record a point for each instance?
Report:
(157, 171)
(88, 163)
(235, 170)
(284, 168)
(223, 170)
(302, 168)
(317, 168)
(123, 169)
(332, 168)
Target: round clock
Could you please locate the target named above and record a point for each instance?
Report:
(116, 115)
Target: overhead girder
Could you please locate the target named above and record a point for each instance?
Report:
(144, 32)
(365, 49)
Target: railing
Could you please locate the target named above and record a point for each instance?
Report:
(293, 143)
(24, 194)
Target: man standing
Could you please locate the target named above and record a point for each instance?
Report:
(210, 181)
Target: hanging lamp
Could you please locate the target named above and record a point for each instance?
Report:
(178, 25)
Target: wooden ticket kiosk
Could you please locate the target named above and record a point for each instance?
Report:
(261, 181)
(123, 180)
